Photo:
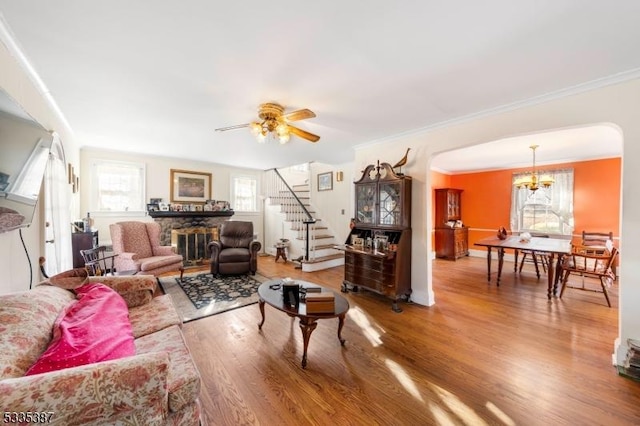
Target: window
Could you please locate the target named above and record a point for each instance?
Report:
(26, 187)
(244, 193)
(117, 186)
(304, 168)
(547, 210)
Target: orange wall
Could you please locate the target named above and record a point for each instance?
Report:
(486, 200)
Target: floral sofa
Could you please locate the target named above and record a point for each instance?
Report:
(158, 385)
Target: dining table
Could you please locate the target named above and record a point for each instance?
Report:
(554, 248)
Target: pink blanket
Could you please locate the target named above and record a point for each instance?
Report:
(94, 328)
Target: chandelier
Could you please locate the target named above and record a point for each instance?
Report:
(533, 181)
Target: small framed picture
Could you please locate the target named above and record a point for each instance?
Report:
(155, 200)
(163, 207)
(325, 181)
(152, 207)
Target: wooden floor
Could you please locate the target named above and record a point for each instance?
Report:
(480, 355)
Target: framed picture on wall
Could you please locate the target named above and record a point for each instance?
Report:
(325, 181)
(190, 187)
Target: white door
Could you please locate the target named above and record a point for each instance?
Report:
(57, 195)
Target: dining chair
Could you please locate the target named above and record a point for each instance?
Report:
(95, 261)
(535, 257)
(597, 240)
(583, 262)
(597, 243)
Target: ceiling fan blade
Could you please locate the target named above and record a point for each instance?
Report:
(304, 134)
(237, 126)
(300, 114)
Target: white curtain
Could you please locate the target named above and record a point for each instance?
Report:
(558, 199)
(57, 216)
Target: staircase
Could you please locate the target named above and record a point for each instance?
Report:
(295, 209)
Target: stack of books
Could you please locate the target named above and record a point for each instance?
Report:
(631, 367)
(320, 303)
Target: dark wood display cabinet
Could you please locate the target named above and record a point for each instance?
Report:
(451, 236)
(382, 263)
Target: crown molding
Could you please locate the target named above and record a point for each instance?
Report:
(610, 80)
(9, 40)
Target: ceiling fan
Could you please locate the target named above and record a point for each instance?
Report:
(275, 123)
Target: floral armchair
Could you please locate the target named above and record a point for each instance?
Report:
(137, 248)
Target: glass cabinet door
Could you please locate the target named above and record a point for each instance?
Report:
(453, 205)
(390, 204)
(365, 203)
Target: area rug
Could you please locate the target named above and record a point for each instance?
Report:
(200, 295)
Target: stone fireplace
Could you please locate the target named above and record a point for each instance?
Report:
(190, 232)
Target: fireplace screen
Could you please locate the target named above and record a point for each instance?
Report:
(192, 244)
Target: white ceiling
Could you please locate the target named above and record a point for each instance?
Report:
(560, 146)
(158, 76)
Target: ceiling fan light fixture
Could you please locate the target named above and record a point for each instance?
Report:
(284, 138)
(256, 128)
(282, 129)
(274, 125)
(283, 133)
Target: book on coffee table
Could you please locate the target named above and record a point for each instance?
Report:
(320, 303)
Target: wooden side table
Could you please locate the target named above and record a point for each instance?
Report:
(281, 251)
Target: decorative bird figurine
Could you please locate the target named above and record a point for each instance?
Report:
(402, 161)
(502, 233)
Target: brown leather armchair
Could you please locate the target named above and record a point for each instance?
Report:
(236, 252)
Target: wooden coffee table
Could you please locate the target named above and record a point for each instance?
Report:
(270, 292)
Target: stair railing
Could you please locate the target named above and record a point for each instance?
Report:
(281, 193)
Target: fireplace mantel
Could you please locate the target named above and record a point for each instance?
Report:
(170, 220)
(156, 214)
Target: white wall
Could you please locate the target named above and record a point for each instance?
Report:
(13, 261)
(618, 104)
(334, 207)
(158, 185)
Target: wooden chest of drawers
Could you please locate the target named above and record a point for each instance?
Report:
(387, 273)
(376, 273)
(452, 243)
